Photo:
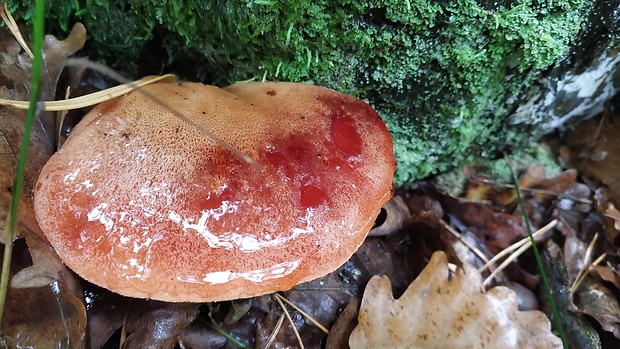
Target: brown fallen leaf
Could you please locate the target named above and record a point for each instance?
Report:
(604, 200)
(496, 230)
(613, 213)
(548, 189)
(157, 324)
(574, 251)
(43, 306)
(596, 300)
(437, 311)
(42, 317)
(593, 148)
(14, 84)
(532, 181)
(609, 273)
(481, 189)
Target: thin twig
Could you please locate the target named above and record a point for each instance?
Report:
(60, 120)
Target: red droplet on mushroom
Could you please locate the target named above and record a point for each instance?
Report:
(145, 204)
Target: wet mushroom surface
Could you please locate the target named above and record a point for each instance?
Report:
(146, 204)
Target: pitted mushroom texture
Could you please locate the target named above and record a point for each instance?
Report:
(145, 204)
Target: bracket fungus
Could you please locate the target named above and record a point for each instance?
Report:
(143, 203)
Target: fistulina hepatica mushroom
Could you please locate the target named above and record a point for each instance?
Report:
(143, 203)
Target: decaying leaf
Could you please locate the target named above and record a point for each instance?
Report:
(533, 180)
(609, 273)
(43, 316)
(596, 300)
(612, 212)
(592, 297)
(439, 312)
(593, 149)
(159, 325)
(14, 84)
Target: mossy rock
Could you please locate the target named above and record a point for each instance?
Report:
(445, 75)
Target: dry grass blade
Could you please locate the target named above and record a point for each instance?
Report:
(508, 260)
(84, 62)
(12, 25)
(90, 99)
(290, 320)
(316, 323)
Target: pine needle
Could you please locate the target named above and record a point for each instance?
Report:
(274, 333)
(580, 279)
(12, 25)
(288, 317)
(587, 264)
(516, 246)
(456, 234)
(83, 62)
(310, 318)
(226, 335)
(89, 99)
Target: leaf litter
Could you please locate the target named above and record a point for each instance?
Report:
(43, 302)
(486, 217)
(445, 310)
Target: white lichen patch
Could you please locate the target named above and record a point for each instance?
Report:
(572, 97)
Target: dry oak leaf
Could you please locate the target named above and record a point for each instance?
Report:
(439, 312)
(612, 212)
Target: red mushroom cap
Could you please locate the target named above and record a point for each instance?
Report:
(145, 204)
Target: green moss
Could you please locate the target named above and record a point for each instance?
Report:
(454, 182)
(521, 160)
(443, 74)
